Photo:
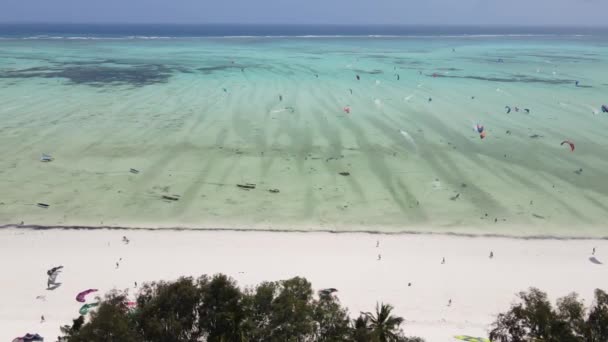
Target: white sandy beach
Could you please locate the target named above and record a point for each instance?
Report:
(478, 286)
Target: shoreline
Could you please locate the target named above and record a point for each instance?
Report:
(312, 230)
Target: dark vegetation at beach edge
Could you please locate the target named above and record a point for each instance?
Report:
(216, 309)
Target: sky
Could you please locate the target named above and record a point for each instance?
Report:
(405, 12)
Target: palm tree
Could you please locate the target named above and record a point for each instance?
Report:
(383, 325)
(360, 329)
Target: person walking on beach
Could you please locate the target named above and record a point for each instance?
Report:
(377, 243)
(450, 302)
(379, 257)
(443, 261)
(593, 253)
(491, 254)
(42, 320)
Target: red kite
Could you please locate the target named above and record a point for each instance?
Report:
(569, 143)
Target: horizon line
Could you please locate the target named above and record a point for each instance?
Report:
(508, 25)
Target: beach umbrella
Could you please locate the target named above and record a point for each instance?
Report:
(85, 308)
(471, 339)
(81, 295)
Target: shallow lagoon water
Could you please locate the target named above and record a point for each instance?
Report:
(197, 116)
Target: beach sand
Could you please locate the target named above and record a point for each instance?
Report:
(478, 286)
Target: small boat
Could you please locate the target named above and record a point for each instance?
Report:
(247, 186)
(46, 158)
(171, 197)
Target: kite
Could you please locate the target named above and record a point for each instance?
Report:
(53, 273)
(346, 110)
(408, 138)
(569, 143)
(480, 129)
(85, 308)
(29, 338)
(54, 270)
(81, 295)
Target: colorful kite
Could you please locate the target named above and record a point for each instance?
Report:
(569, 143)
(85, 308)
(480, 129)
(81, 295)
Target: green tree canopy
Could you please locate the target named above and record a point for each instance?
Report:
(533, 318)
(217, 310)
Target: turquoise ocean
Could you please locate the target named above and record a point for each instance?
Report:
(341, 129)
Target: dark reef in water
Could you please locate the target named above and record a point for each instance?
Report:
(565, 58)
(370, 72)
(97, 74)
(512, 79)
(449, 69)
(211, 69)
